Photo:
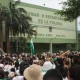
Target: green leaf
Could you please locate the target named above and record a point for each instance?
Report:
(71, 10)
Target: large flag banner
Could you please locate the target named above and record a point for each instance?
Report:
(32, 47)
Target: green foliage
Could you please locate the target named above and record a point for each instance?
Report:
(20, 19)
(22, 45)
(32, 32)
(16, 19)
(71, 10)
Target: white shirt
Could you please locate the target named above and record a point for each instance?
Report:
(7, 68)
(18, 78)
(1, 65)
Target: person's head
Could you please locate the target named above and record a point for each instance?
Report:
(54, 55)
(6, 63)
(67, 62)
(11, 75)
(74, 72)
(12, 70)
(76, 59)
(34, 72)
(52, 74)
(23, 66)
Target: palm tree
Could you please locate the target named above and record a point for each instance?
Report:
(1, 38)
(3, 12)
(32, 32)
(18, 22)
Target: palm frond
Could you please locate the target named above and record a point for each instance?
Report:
(22, 10)
(5, 10)
(0, 5)
(17, 2)
(18, 19)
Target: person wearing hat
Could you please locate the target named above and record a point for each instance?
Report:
(47, 66)
(34, 72)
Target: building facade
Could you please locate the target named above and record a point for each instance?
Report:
(53, 33)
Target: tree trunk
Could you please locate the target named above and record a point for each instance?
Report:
(7, 39)
(1, 34)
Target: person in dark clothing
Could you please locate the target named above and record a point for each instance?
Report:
(74, 70)
(17, 64)
(12, 70)
(6, 74)
(23, 66)
(2, 74)
(52, 74)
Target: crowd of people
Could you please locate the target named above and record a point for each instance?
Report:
(45, 66)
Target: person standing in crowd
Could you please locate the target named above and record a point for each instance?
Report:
(52, 74)
(34, 72)
(74, 70)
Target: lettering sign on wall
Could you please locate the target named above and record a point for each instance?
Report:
(44, 19)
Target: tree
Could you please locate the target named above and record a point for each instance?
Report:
(3, 11)
(22, 45)
(71, 10)
(22, 42)
(1, 38)
(17, 21)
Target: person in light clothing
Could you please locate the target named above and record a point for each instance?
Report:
(47, 66)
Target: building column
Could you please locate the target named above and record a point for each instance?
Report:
(50, 45)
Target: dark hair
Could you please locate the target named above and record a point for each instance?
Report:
(52, 74)
(16, 64)
(75, 59)
(23, 66)
(75, 72)
(12, 69)
(6, 62)
(63, 70)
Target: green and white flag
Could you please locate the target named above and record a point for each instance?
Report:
(32, 47)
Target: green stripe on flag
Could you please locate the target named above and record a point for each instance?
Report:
(32, 47)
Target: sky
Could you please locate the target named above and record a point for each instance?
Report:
(48, 3)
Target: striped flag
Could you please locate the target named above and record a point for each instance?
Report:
(32, 47)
